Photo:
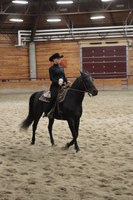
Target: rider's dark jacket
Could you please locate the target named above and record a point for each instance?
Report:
(56, 72)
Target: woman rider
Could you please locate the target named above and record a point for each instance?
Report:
(57, 77)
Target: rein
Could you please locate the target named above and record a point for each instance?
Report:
(81, 90)
(77, 90)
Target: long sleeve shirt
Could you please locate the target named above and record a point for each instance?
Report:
(56, 72)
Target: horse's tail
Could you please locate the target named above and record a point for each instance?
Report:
(28, 121)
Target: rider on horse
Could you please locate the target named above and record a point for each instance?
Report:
(57, 77)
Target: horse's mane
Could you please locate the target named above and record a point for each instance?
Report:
(76, 83)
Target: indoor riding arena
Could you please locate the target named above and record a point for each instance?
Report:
(95, 37)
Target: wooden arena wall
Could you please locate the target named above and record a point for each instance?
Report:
(14, 63)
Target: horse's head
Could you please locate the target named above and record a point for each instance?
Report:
(88, 84)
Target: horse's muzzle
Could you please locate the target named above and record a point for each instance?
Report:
(93, 93)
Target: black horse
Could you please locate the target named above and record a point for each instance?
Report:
(71, 108)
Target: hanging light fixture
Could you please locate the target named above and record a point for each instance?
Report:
(97, 17)
(105, 0)
(15, 20)
(64, 2)
(20, 2)
(53, 20)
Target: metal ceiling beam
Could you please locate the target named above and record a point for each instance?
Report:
(77, 34)
(36, 20)
(112, 19)
(72, 15)
(68, 13)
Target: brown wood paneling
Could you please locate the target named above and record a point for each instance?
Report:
(70, 50)
(14, 62)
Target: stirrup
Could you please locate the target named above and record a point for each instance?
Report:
(44, 115)
(50, 114)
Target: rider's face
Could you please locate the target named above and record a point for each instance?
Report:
(56, 60)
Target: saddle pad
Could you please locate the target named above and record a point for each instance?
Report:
(62, 94)
(45, 96)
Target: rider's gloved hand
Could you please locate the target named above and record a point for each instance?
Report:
(60, 81)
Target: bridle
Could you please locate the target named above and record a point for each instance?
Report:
(82, 91)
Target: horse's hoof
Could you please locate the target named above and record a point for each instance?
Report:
(32, 143)
(53, 145)
(67, 146)
(77, 150)
(64, 148)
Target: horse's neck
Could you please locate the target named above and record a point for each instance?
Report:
(76, 95)
(76, 92)
(78, 85)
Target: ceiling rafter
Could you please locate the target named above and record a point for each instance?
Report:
(76, 15)
(66, 13)
(36, 20)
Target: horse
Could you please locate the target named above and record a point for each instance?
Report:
(71, 109)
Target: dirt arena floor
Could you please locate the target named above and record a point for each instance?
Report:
(102, 170)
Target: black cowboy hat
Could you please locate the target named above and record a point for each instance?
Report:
(54, 56)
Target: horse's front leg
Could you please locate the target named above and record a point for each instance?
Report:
(50, 126)
(73, 125)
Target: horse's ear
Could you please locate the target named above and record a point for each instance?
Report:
(81, 73)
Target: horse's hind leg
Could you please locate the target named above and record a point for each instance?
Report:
(34, 127)
(50, 125)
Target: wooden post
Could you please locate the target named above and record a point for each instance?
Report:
(32, 60)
